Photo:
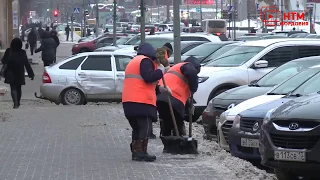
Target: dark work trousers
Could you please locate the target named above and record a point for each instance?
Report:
(141, 127)
(67, 34)
(16, 93)
(33, 47)
(167, 128)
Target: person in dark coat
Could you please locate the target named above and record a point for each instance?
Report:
(67, 29)
(88, 32)
(17, 61)
(190, 72)
(32, 40)
(54, 36)
(40, 32)
(141, 115)
(48, 46)
(47, 29)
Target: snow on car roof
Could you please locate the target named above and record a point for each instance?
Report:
(268, 42)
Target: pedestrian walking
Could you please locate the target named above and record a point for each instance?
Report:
(182, 80)
(47, 48)
(139, 98)
(67, 29)
(32, 40)
(47, 29)
(106, 30)
(23, 33)
(16, 61)
(54, 36)
(88, 32)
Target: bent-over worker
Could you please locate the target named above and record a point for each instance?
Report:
(182, 80)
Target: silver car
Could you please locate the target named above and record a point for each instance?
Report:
(86, 77)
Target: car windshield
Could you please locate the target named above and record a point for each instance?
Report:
(122, 41)
(310, 86)
(218, 53)
(203, 50)
(294, 82)
(236, 56)
(285, 71)
(133, 41)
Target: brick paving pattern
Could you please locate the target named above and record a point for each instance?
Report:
(82, 143)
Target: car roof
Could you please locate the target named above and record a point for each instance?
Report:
(108, 53)
(311, 58)
(268, 42)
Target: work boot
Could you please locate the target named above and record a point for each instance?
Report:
(138, 152)
(14, 95)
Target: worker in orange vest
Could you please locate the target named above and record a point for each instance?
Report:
(182, 80)
(139, 98)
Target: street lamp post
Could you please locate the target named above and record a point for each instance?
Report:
(176, 32)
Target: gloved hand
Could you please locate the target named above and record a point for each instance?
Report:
(161, 67)
(165, 90)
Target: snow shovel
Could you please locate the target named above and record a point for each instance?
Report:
(190, 145)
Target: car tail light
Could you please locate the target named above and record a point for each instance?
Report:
(218, 34)
(46, 78)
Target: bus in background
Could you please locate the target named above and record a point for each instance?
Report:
(217, 27)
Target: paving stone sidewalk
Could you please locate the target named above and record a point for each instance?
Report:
(82, 143)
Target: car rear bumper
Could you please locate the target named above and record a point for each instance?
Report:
(51, 91)
(236, 149)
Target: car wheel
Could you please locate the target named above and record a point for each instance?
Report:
(283, 174)
(217, 93)
(72, 96)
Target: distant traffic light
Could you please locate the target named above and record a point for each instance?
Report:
(55, 13)
(73, 18)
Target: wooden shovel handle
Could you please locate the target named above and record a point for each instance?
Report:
(171, 111)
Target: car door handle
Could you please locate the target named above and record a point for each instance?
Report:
(120, 75)
(82, 74)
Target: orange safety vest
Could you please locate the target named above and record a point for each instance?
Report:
(177, 83)
(135, 89)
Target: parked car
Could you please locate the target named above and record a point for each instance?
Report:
(85, 77)
(89, 46)
(299, 35)
(120, 41)
(298, 85)
(188, 45)
(202, 51)
(314, 36)
(248, 38)
(247, 62)
(290, 138)
(256, 88)
(165, 27)
(159, 40)
(105, 41)
(227, 47)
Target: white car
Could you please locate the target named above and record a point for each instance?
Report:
(86, 77)
(246, 63)
(300, 84)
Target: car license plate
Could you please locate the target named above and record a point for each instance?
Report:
(253, 143)
(290, 156)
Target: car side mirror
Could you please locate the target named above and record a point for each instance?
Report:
(261, 64)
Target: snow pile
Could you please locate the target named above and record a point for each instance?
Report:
(228, 166)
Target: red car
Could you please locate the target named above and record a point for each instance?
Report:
(90, 46)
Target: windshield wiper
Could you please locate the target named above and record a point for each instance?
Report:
(296, 95)
(273, 94)
(254, 85)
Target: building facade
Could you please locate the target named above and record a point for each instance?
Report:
(6, 26)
